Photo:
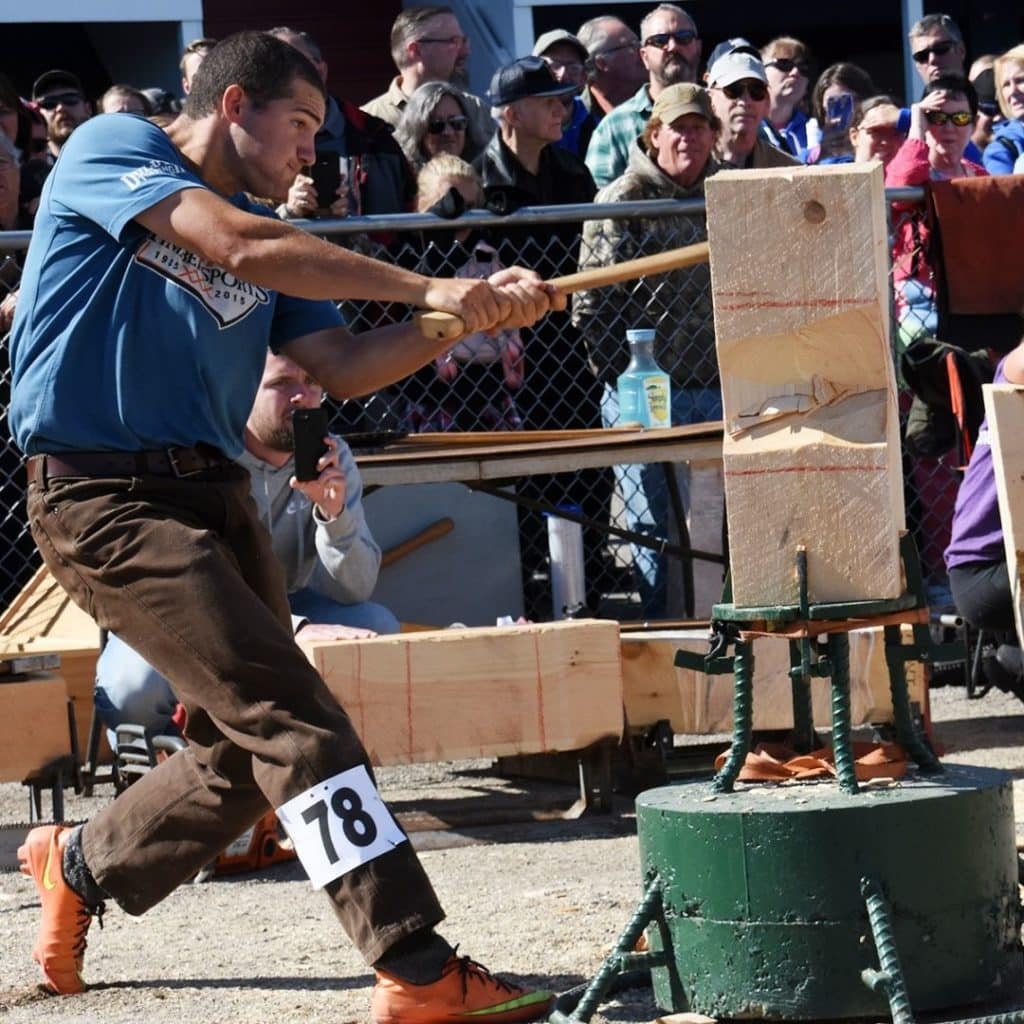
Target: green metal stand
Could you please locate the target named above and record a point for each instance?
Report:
(809, 660)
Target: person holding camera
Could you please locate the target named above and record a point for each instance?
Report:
(318, 531)
(360, 170)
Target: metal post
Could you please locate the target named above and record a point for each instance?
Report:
(839, 658)
(890, 978)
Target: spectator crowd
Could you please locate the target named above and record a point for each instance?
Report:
(606, 112)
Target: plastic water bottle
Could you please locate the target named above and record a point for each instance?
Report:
(645, 391)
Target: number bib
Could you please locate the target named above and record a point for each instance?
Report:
(339, 824)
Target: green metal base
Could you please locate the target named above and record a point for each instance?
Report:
(763, 914)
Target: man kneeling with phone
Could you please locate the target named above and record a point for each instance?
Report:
(309, 494)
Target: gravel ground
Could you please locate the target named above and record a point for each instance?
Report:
(540, 902)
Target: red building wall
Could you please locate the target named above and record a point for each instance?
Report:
(353, 35)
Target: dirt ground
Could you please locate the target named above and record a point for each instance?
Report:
(540, 902)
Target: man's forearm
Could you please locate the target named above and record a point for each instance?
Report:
(355, 365)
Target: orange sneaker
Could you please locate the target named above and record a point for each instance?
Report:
(60, 948)
(466, 991)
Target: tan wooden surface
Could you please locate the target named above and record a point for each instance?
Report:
(654, 688)
(484, 692)
(436, 458)
(799, 263)
(33, 725)
(1004, 411)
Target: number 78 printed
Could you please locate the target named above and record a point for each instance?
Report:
(339, 824)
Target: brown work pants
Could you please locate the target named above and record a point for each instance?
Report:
(182, 570)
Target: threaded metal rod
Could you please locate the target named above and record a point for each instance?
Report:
(839, 658)
(647, 911)
(907, 733)
(742, 717)
(890, 978)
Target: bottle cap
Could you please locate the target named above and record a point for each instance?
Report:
(641, 334)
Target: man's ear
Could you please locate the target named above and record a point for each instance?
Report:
(234, 102)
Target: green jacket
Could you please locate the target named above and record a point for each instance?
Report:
(677, 304)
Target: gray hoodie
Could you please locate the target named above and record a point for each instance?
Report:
(339, 559)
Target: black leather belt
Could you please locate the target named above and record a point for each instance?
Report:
(176, 462)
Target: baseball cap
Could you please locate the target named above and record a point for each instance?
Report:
(985, 85)
(51, 81)
(683, 98)
(734, 67)
(527, 76)
(735, 45)
(558, 35)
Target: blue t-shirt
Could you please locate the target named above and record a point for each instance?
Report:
(123, 341)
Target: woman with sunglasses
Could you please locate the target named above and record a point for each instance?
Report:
(1007, 145)
(940, 129)
(787, 67)
(436, 120)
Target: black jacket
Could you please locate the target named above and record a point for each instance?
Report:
(386, 182)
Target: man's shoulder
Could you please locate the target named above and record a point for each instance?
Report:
(382, 107)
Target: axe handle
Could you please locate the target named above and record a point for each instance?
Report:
(444, 326)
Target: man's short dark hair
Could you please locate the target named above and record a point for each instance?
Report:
(203, 45)
(955, 85)
(263, 66)
(930, 22)
(408, 27)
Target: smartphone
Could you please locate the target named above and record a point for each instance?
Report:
(309, 427)
(326, 175)
(839, 111)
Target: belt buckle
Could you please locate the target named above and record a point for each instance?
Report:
(176, 468)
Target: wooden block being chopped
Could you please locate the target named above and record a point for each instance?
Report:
(1004, 414)
(799, 265)
(33, 725)
(481, 692)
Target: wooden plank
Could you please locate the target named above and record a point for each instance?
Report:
(799, 265)
(33, 725)
(485, 692)
(653, 688)
(1004, 414)
(43, 609)
(445, 463)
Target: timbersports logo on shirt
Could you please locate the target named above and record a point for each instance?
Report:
(133, 179)
(224, 296)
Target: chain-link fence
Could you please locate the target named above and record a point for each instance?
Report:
(560, 374)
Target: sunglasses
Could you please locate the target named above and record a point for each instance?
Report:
(59, 99)
(443, 40)
(457, 124)
(661, 39)
(757, 91)
(938, 49)
(785, 65)
(961, 118)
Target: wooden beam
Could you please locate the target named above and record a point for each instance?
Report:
(1004, 414)
(33, 725)
(654, 688)
(484, 692)
(799, 268)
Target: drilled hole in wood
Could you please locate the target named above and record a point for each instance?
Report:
(814, 212)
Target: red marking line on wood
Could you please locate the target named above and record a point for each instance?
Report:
(540, 693)
(798, 303)
(805, 469)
